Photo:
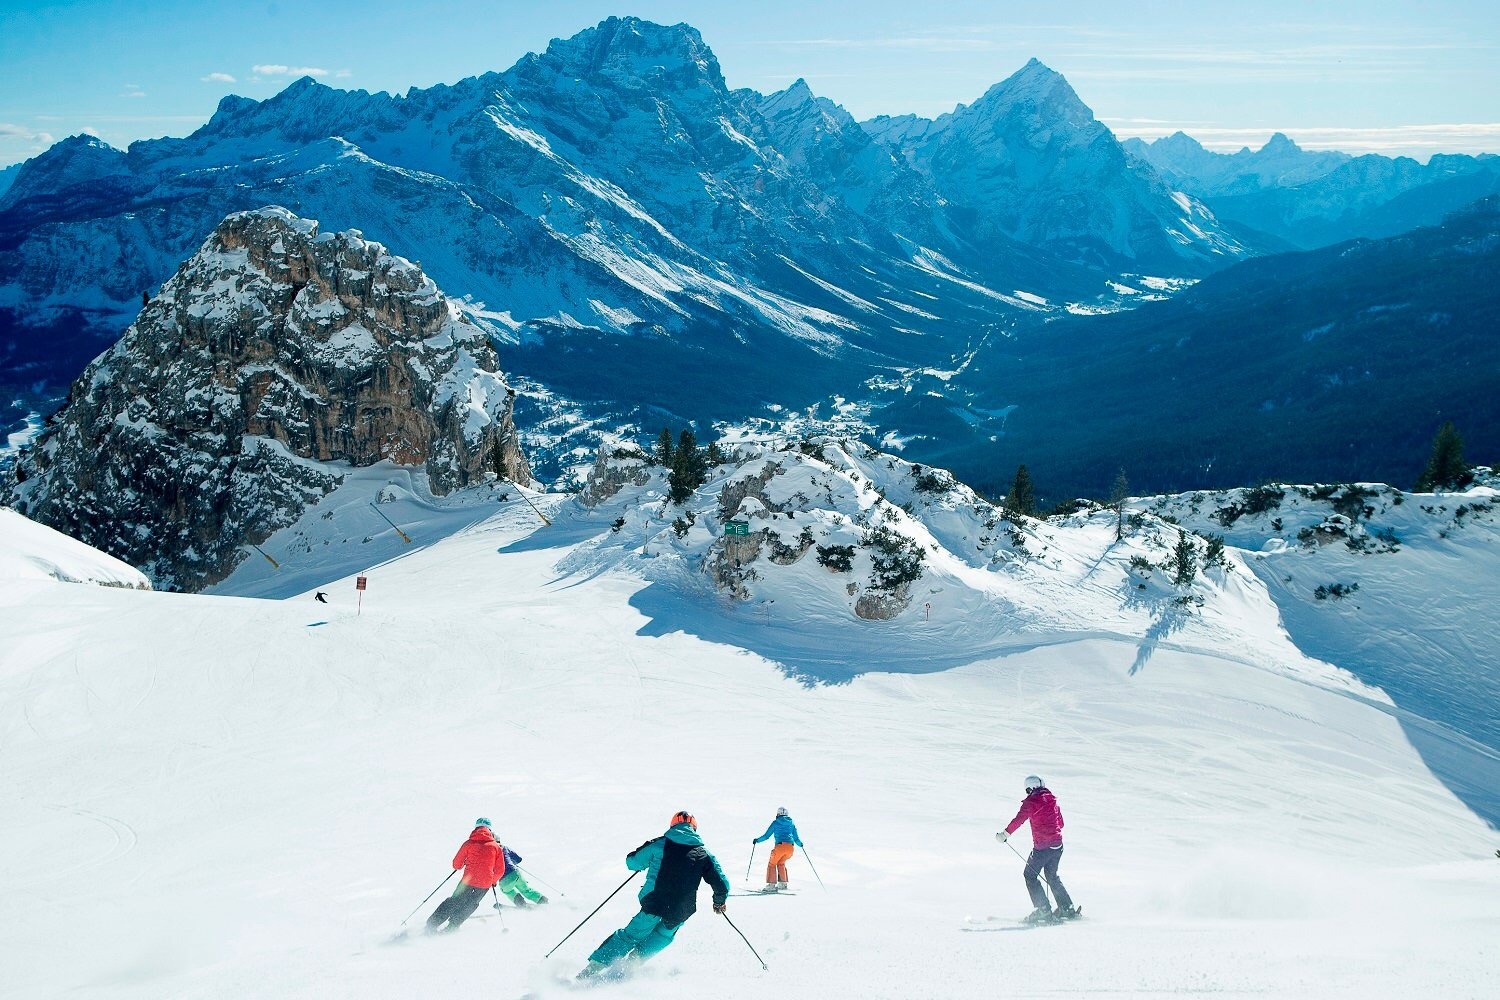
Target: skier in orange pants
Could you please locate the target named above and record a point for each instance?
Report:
(785, 831)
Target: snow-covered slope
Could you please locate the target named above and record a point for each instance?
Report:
(213, 796)
(31, 551)
(1398, 588)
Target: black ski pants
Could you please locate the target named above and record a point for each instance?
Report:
(456, 908)
(1043, 863)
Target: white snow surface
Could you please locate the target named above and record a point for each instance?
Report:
(32, 551)
(211, 796)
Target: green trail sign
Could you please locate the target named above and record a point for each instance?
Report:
(736, 527)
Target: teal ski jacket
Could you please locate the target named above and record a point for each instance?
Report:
(674, 865)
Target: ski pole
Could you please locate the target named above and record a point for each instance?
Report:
(752, 862)
(591, 915)
(741, 933)
(549, 885)
(1014, 851)
(434, 892)
(500, 910)
(813, 867)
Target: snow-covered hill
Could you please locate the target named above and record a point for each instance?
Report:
(213, 796)
(32, 551)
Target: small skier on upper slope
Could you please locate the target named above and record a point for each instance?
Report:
(785, 831)
(1040, 808)
(674, 864)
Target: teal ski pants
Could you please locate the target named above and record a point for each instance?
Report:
(643, 937)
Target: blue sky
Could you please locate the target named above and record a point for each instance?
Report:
(1392, 77)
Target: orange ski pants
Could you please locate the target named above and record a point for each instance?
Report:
(776, 867)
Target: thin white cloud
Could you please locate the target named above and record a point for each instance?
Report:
(217, 78)
(133, 90)
(925, 43)
(281, 69)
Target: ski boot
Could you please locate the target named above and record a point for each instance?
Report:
(591, 971)
(520, 901)
(772, 887)
(1038, 916)
(1069, 912)
(781, 887)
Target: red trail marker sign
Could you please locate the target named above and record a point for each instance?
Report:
(359, 585)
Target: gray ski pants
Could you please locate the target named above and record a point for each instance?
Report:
(1043, 863)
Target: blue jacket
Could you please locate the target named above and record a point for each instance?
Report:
(512, 860)
(783, 829)
(674, 865)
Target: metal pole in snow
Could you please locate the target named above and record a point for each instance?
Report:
(262, 551)
(404, 537)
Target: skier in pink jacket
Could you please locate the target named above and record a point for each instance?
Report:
(1041, 810)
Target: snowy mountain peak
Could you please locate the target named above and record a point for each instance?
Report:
(1281, 144)
(631, 50)
(77, 160)
(798, 94)
(1038, 86)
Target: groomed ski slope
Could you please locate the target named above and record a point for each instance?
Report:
(216, 797)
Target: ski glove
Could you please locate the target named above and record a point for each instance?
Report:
(720, 907)
(1002, 836)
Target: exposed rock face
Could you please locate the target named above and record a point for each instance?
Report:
(274, 352)
(613, 471)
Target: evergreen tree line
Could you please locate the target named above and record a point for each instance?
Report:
(1446, 470)
(687, 464)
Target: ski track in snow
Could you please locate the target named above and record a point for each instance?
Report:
(205, 797)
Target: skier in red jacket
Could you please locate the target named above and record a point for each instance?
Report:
(483, 861)
(1041, 810)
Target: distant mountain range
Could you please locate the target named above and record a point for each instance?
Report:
(1329, 365)
(633, 229)
(646, 246)
(1312, 199)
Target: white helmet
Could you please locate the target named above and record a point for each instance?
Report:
(1033, 783)
(782, 811)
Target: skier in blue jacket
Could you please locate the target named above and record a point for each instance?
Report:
(674, 864)
(785, 832)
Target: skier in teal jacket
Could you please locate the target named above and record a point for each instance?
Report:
(674, 864)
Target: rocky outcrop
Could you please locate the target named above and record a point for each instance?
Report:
(274, 357)
(614, 469)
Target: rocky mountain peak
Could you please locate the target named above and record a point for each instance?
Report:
(78, 159)
(275, 358)
(1035, 87)
(1280, 144)
(629, 51)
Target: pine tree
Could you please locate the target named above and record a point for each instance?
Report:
(1022, 499)
(1445, 469)
(1117, 495)
(664, 447)
(688, 470)
(1184, 560)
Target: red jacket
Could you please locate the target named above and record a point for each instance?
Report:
(482, 859)
(1046, 819)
